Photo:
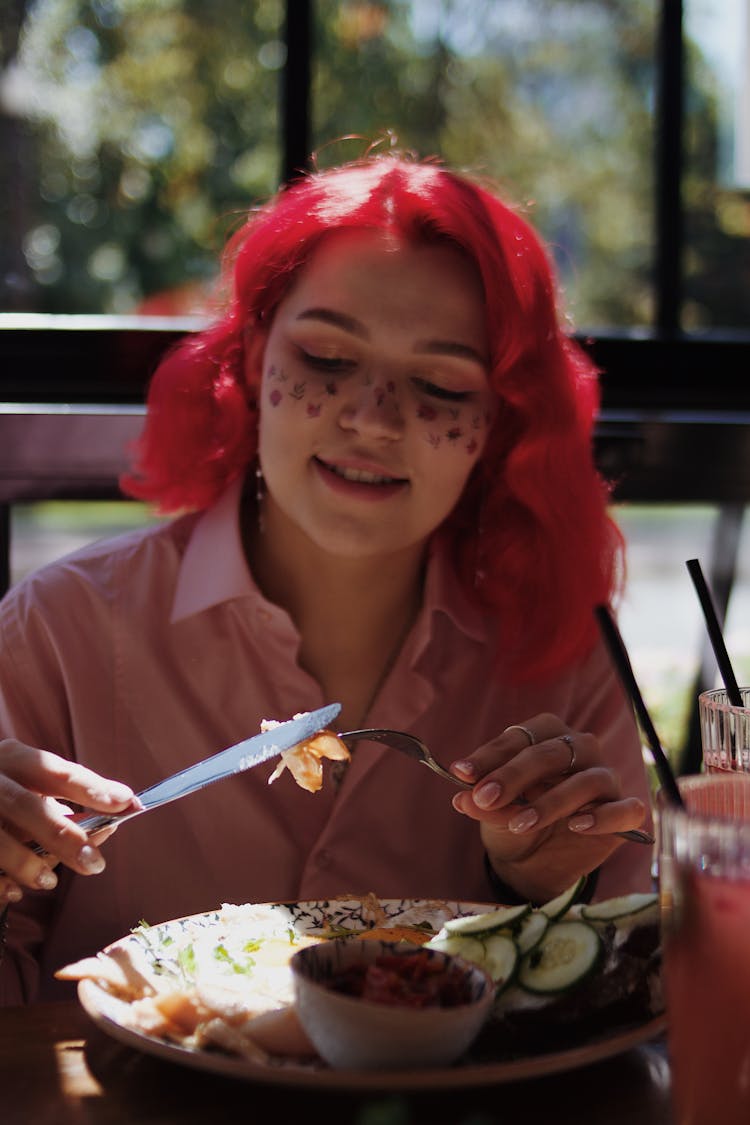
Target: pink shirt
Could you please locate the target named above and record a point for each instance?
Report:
(140, 655)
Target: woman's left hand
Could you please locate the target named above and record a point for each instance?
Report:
(546, 803)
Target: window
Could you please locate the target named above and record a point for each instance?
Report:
(137, 135)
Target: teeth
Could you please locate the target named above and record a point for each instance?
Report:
(361, 476)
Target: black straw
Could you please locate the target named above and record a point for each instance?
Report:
(714, 631)
(621, 660)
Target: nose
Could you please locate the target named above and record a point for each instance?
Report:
(372, 407)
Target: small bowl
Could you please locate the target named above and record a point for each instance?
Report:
(354, 1033)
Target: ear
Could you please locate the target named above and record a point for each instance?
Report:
(256, 338)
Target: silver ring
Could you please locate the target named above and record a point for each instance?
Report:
(568, 740)
(529, 733)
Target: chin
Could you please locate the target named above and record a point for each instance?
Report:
(361, 543)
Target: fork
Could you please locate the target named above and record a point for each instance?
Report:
(412, 746)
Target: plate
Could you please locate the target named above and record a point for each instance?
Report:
(110, 1013)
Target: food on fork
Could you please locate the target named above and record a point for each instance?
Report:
(305, 760)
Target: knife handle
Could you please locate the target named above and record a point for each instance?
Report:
(94, 822)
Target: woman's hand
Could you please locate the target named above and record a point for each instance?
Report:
(546, 804)
(31, 781)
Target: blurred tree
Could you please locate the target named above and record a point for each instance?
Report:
(156, 127)
(551, 98)
(717, 227)
(16, 178)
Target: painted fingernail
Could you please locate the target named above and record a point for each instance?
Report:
(116, 794)
(464, 768)
(525, 820)
(46, 879)
(91, 860)
(487, 795)
(12, 894)
(581, 823)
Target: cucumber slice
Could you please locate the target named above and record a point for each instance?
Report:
(501, 959)
(640, 908)
(475, 924)
(497, 953)
(532, 929)
(458, 946)
(556, 907)
(517, 999)
(566, 955)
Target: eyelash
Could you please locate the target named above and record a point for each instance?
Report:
(336, 365)
(436, 391)
(332, 365)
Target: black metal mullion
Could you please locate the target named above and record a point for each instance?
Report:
(296, 82)
(668, 168)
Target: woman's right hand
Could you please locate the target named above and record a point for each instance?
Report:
(32, 785)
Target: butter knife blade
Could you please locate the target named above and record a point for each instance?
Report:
(235, 759)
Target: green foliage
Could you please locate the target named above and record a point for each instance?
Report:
(156, 126)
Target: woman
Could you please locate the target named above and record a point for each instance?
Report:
(382, 448)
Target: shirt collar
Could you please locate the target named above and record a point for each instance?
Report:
(214, 570)
(445, 594)
(213, 567)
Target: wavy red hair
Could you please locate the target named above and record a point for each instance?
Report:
(531, 535)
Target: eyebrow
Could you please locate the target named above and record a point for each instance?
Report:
(429, 347)
(337, 319)
(451, 348)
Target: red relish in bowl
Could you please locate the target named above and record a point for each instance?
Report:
(413, 980)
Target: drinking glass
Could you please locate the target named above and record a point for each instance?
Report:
(704, 882)
(725, 731)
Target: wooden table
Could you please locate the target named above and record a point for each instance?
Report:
(57, 1068)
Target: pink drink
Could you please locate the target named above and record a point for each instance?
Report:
(707, 980)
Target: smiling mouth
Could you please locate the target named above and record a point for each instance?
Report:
(360, 476)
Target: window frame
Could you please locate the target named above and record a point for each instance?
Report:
(654, 381)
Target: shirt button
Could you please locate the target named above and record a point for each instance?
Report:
(324, 859)
(264, 615)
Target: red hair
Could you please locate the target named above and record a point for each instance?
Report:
(531, 535)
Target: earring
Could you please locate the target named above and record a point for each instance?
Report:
(480, 561)
(259, 495)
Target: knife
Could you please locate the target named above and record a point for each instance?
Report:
(235, 759)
